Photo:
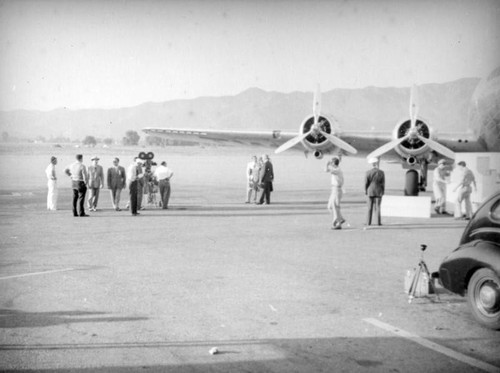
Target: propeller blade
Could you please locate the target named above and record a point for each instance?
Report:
(292, 142)
(434, 145)
(339, 143)
(387, 147)
(413, 105)
(317, 104)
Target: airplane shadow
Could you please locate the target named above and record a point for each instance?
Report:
(21, 319)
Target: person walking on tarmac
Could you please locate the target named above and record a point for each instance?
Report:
(374, 190)
(464, 189)
(336, 195)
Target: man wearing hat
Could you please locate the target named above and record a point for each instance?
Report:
(96, 182)
(116, 182)
(374, 189)
(50, 171)
(134, 173)
(439, 187)
(266, 179)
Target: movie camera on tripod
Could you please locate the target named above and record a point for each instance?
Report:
(150, 182)
(420, 283)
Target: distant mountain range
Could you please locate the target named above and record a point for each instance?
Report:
(445, 106)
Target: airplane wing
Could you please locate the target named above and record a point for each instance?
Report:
(223, 137)
(364, 141)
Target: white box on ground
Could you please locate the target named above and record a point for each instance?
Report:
(406, 206)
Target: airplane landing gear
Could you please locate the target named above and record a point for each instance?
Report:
(423, 175)
(414, 182)
(411, 183)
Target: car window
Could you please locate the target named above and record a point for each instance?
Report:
(495, 211)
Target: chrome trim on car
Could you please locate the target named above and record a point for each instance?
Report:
(485, 230)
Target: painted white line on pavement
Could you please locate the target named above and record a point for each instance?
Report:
(434, 346)
(37, 273)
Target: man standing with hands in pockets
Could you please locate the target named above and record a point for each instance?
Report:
(163, 174)
(374, 190)
(116, 182)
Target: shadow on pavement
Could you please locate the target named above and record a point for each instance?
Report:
(340, 354)
(21, 319)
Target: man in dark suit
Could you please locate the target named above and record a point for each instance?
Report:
(116, 182)
(374, 190)
(266, 180)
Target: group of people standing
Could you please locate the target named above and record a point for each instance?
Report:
(260, 177)
(136, 178)
(467, 182)
(375, 188)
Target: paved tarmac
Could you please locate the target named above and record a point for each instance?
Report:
(271, 287)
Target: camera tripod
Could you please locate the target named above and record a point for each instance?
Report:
(420, 272)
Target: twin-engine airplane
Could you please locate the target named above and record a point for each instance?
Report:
(413, 142)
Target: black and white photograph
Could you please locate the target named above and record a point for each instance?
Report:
(265, 186)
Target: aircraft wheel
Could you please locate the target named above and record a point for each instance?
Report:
(411, 184)
(483, 294)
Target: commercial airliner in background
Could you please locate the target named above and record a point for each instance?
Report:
(413, 142)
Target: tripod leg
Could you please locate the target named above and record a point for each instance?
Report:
(431, 282)
(414, 284)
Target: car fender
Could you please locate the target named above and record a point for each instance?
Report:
(457, 268)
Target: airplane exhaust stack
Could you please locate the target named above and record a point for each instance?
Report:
(318, 154)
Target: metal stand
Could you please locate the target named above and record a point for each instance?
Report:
(422, 269)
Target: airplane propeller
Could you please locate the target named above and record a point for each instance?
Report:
(412, 133)
(316, 129)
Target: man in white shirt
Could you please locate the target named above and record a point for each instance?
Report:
(337, 180)
(163, 174)
(50, 171)
(252, 179)
(439, 187)
(79, 179)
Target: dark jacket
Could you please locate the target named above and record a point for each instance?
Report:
(375, 183)
(116, 177)
(266, 172)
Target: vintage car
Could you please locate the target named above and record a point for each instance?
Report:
(474, 267)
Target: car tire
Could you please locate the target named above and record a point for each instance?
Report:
(483, 295)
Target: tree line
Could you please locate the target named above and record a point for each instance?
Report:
(131, 138)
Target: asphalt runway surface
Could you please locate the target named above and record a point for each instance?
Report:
(273, 288)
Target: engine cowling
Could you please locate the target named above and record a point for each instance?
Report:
(412, 147)
(316, 140)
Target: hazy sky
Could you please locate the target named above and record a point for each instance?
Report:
(103, 54)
